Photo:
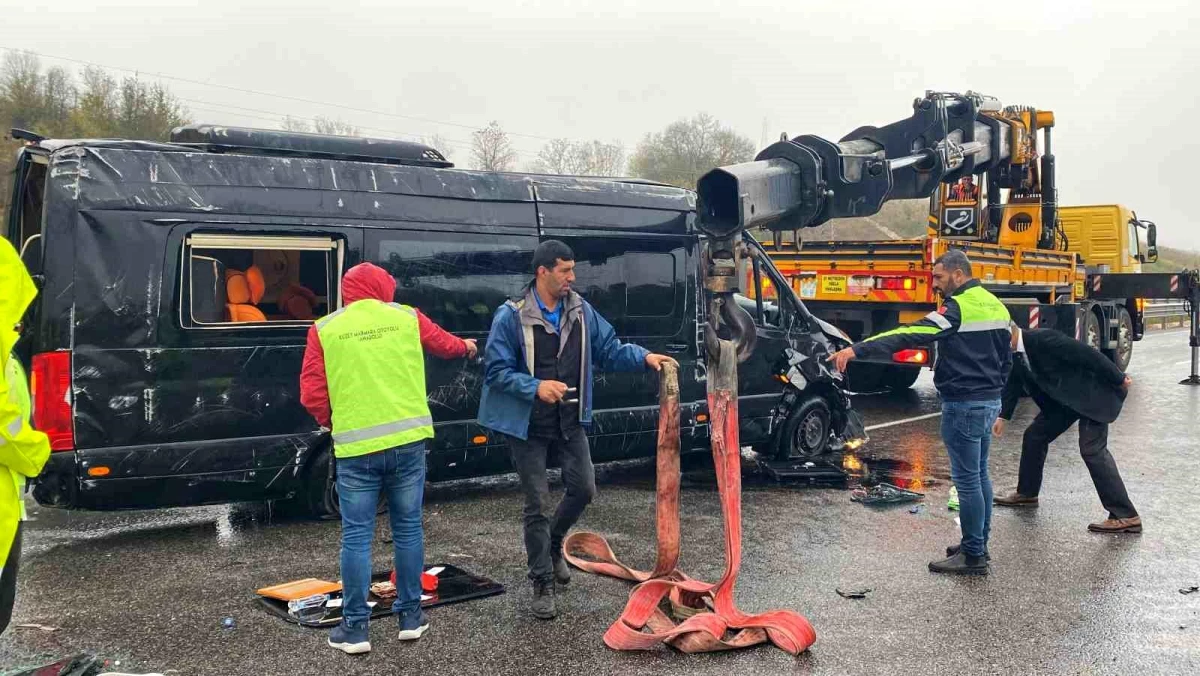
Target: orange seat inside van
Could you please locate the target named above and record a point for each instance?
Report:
(243, 292)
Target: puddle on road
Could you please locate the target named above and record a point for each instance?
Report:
(229, 524)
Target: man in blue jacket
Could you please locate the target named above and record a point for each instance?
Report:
(537, 392)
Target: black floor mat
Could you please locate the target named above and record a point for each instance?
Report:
(454, 586)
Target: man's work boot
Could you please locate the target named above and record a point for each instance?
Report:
(954, 549)
(562, 572)
(1111, 525)
(961, 564)
(1015, 499)
(543, 600)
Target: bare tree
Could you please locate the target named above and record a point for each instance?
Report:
(608, 159)
(686, 149)
(319, 125)
(580, 158)
(21, 89)
(98, 105)
(296, 124)
(58, 98)
(324, 125)
(491, 150)
(438, 143)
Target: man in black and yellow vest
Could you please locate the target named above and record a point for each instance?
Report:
(974, 360)
(364, 377)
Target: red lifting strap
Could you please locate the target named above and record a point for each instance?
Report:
(710, 620)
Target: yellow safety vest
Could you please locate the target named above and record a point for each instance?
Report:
(23, 450)
(375, 368)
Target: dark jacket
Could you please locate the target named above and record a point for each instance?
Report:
(974, 353)
(1065, 372)
(509, 387)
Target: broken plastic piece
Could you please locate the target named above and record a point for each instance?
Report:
(857, 593)
(79, 665)
(885, 494)
(40, 626)
(1189, 590)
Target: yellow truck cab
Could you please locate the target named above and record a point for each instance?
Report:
(866, 287)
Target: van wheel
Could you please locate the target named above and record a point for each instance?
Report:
(1123, 353)
(321, 489)
(805, 433)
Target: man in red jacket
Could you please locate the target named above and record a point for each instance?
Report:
(364, 378)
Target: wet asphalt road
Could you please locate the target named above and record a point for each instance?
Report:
(151, 588)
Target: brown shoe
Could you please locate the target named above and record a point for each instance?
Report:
(1015, 499)
(1130, 525)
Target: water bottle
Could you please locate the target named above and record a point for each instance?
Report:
(307, 604)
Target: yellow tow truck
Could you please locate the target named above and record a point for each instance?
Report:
(1035, 255)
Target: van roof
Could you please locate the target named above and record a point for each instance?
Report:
(222, 139)
(189, 177)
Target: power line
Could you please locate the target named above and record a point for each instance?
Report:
(242, 90)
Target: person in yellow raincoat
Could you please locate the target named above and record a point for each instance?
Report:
(23, 450)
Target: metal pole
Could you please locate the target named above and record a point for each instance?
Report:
(1194, 339)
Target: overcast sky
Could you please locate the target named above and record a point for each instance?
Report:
(1122, 77)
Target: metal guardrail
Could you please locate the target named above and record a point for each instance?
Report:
(1165, 309)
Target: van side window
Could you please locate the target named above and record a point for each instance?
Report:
(637, 285)
(457, 279)
(258, 280)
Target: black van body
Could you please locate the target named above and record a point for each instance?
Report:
(161, 400)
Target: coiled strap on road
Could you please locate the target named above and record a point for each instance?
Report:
(708, 619)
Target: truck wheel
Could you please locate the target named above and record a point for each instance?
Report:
(321, 489)
(805, 433)
(900, 378)
(1123, 353)
(1091, 330)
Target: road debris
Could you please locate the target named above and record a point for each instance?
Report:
(1189, 590)
(885, 494)
(854, 593)
(35, 626)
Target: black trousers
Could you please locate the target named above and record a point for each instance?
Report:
(544, 534)
(8, 580)
(1052, 420)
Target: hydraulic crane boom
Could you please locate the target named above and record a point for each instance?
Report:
(809, 180)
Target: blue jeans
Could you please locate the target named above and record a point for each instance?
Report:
(400, 473)
(967, 433)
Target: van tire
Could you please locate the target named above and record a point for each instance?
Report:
(321, 488)
(805, 433)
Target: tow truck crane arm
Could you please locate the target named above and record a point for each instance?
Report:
(808, 180)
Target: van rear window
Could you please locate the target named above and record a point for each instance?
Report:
(258, 280)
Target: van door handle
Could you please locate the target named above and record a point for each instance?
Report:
(675, 348)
